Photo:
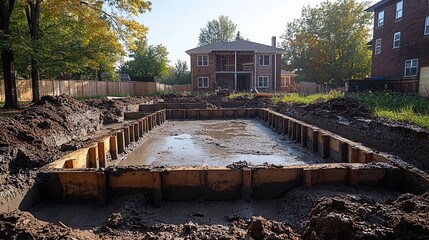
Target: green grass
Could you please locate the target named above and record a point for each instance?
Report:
(396, 107)
(306, 99)
(241, 94)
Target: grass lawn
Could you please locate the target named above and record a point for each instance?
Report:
(397, 107)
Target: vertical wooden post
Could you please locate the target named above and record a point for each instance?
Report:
(114, 147)
(246, 184)
(315, 140)
(101, 154)
(304, 130)
(344, 152)
(93, 157)
(127, 136)
(325, 145)
(353, 154)
(102, 188)
(157, 189)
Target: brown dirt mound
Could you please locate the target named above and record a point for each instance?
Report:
(113, 109)
(33, 138)
(22, 225)
(339, 218)
(346, 107)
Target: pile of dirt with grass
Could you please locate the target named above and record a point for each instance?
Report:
(341, 218)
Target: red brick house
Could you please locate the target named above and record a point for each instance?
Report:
(287, 81)
(240, 65)
(401, 38)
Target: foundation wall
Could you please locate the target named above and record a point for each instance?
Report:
(347, 163)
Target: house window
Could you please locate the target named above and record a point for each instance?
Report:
(377, 46)
(399, 6)
(203, 82)
(262, 81)
(411, 67)
(285, 81)
(381, 18)
(396, 39)
(202, 60)
(264, 60)
(427, 26)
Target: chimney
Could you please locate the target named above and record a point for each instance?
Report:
(273, 41)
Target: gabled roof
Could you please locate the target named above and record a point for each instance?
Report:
(378, 4)
(238, 45)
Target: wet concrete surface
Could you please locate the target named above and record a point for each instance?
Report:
(216, 143)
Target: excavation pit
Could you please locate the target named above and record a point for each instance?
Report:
(106, 169)
(217, 143)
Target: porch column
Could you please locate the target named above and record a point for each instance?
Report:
(254, 66)
(235, 71)
(275, 72)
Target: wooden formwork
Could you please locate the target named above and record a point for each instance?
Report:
(348, 163)
(191, 183)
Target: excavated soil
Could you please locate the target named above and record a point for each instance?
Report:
(55, 126)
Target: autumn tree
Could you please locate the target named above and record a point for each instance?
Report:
(329, 42)
(222, 29)
(147, 61)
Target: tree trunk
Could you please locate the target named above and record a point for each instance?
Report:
(8, 62)
(32, 11)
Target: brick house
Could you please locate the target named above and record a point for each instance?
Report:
(400, 42)
(287, 81)
(240, 65)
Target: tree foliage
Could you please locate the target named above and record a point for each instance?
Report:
(178, 75)
(147, 61)
(222, 29)
(329, 42)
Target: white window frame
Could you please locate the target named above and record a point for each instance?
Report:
(414, 63)
(261, 80)
(204, 60)
(427, 26)
(381, 18)
(262, 59)
(399, 9)
(377, 48)
(285, 81)
(396, 39)
(205, 84)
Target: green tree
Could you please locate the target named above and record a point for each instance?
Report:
(178, 75)
(329, 42)
(148, 61)
(222, 29)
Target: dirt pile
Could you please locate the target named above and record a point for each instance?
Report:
(34, 137)
(342, 218)
(22, 225)
(112, 109)
(131, 221)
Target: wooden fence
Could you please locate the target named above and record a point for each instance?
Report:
(90, 88)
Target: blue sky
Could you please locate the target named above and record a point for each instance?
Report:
(176, 24)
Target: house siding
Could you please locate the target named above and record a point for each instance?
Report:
(390, 63)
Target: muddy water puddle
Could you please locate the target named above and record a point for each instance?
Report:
(216, 143)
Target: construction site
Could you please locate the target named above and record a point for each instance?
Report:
(185, 167)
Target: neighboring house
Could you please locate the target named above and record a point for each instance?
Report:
(287, 81)
(401, 39)
(124, 77)
(240, 65)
